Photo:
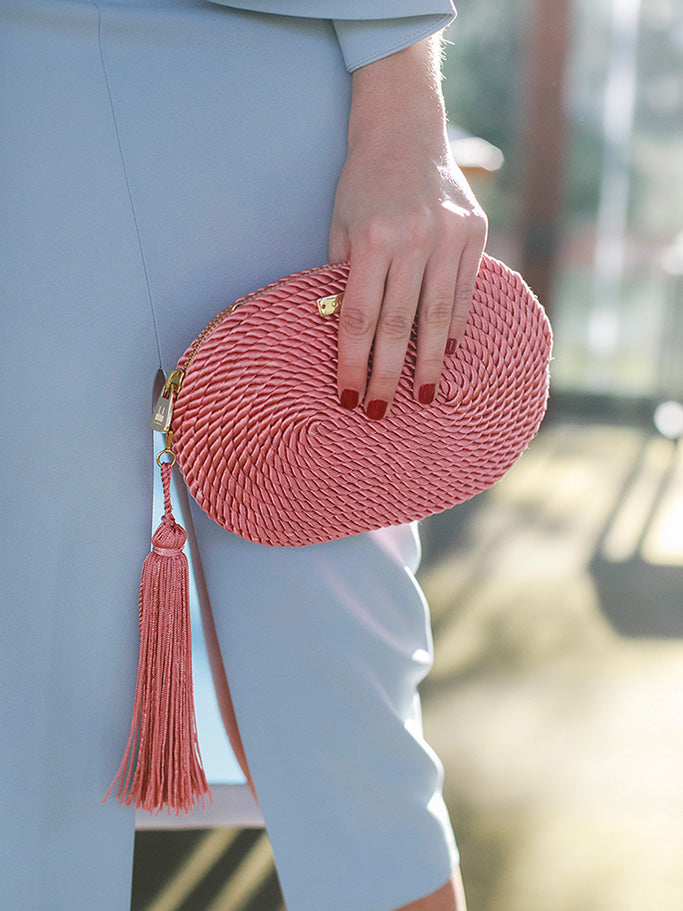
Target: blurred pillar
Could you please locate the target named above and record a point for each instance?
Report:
(618, 120)
(543, 141)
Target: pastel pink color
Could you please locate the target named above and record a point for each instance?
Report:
(268, 451)
(161, 764)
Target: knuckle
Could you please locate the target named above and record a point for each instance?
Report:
(418, 227)
(396, 325)
(459, 320)
(412, 228)
(479, 225)
(450, 217)
(466, 224)
(382, 388)
(386, 382)
(353, 368)
(461, 314)
(438, 312)
(376, 233)
(463, 295)
(356, 322)
(431, 364)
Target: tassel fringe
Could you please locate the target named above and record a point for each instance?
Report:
(162, 765)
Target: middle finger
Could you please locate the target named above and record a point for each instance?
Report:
(397, 314)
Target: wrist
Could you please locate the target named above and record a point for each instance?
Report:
(400, 96)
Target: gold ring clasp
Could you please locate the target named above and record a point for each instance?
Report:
(170, 461)
(167, 451)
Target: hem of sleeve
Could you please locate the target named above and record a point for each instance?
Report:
(410, 37)
(346, 10)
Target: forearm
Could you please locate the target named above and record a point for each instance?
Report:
(400, 95)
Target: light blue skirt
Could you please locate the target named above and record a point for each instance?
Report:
(160, 158)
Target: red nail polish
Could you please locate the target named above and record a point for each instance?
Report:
(349, 399)
(451, 345)
(376, 409)
(426, 393)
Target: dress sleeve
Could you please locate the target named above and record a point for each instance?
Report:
(366, 29)
(365, 40)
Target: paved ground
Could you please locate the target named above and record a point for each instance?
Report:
(556, 698)
(555, 701)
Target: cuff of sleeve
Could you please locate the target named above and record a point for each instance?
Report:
(363, 41)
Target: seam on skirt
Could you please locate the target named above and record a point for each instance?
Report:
(125, 175)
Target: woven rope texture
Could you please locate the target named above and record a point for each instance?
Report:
(269, 453)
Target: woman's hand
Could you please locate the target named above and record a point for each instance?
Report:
(411, 227)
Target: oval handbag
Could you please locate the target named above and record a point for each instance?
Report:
(269, 453)
(266, 449)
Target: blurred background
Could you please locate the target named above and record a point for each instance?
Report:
(585, 102)
(556, 699)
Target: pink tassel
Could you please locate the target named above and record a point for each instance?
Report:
(164, 729)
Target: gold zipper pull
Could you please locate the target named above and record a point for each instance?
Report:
(163, 410)
(161, 417)
(328, 306)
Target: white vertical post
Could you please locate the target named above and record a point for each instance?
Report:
(619, 108)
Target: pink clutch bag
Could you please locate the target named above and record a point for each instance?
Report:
(268, 452)
(252, 416)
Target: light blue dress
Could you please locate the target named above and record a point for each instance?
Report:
(160, 158)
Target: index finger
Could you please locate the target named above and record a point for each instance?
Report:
(358, 322)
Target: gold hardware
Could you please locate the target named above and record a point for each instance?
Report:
(218, 319)
(161, 417)
(163, 410)
(328, 306)
(175, 380)
(168, 450)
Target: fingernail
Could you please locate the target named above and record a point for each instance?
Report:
(451, 345)
(376, 409)
(426, 393)
(349, 399)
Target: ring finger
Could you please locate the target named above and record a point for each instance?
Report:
(435, 316)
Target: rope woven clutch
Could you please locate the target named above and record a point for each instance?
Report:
(269, 453)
